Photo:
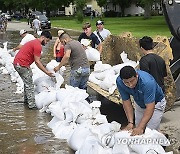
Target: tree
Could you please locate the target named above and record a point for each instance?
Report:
(122, 4)
(80, 4)
(101, 3)
(146, 4)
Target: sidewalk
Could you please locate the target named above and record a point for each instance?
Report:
(17, 26)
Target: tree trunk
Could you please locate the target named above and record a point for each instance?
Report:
(147, 11)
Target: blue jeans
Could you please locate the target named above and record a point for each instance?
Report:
(79, 77)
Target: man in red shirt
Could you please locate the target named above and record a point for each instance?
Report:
(29, 53)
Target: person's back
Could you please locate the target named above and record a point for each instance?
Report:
(25, 56)
(36, 23)
(27, 38)
(152, 63)
(78, 56)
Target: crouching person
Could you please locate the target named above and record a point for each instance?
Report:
(148, 96)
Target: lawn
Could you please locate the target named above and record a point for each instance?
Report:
(137, 25)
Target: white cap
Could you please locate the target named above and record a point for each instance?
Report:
(60, 32)
(22, 31)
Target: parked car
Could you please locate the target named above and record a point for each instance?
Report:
(7, 16)
(36, 13)
(45, 23)
(17, 15)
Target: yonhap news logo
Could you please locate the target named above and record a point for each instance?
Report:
(136, 140)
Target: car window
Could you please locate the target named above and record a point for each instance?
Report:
(42, 17)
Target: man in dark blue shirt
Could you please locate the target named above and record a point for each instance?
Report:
(148, 96)
(87, 34)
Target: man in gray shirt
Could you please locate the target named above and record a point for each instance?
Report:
(76, 56)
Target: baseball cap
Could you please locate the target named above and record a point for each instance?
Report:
(99, 22)
(60, 32)
(22, 31)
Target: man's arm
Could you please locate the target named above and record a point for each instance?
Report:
(41, 67)
(55, 46)
(145, 119)
(17, 48)
(100, 47)
(128, 108)
(64, 60)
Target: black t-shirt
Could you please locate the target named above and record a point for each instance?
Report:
(154, 65)
(94, 39)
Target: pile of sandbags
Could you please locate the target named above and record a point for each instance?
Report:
(104, 75)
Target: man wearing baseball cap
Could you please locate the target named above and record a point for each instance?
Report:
(26, 37)
(101, 32)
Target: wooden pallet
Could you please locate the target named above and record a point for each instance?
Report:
(112, 97)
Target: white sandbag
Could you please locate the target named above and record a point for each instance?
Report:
(59, 80)
(45, 98)
(68, 113)
(115, 126)
(147, 148)
(125, 58)
(78, 137)
(93, 79)
(62, 93)
(53, 122)
(85, 42)
(56, 110)
(100, 119)
(81, 111)
(102, 75)
(44, 83)
(100, 67)
(90, 146)
(92, 54)
(52, 64)
(71, 94)
(155, 135)
(121, 149)
(64, 131)
(108, 82)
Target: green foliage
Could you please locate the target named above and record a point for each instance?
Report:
(101, 3)
(80, 17)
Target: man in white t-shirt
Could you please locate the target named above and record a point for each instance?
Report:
(36, 25)
(101, 32)
(26, 37)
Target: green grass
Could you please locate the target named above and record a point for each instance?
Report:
(137, 25)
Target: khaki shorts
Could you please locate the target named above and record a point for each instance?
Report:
(155, 120)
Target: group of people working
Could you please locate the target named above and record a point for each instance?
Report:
(145, 85)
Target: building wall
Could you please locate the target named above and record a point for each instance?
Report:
(94, 5)
(134, 10)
